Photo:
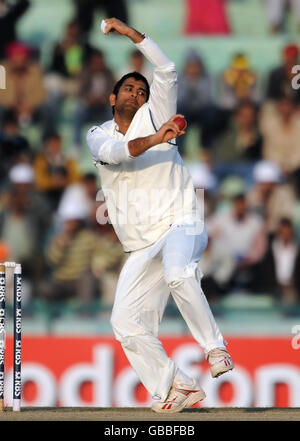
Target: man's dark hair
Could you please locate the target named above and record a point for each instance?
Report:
(89, 177)
(137, 76)
(246, 103)
(285, 222)
(53, 135)
(10, 117)
(95, 53)
(136, 53)
(239, 197)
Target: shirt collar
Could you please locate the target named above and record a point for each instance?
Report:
(116, 127)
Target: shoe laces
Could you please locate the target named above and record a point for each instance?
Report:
(217, 353)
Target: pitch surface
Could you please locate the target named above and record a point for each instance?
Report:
(144, 414)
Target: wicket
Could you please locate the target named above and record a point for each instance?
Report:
(17, 319)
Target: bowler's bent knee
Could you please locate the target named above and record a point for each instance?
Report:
(176, 276)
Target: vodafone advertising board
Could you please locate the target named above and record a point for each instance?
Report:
(93, 371)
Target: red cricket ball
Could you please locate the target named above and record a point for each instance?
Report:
(181, 122)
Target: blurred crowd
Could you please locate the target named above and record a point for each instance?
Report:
(214, 18)
(248, 163)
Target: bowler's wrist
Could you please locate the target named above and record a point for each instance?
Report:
(154, 139)
(135, 35)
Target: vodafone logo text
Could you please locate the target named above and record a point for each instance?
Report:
(94, 372)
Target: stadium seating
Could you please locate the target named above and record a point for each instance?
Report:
(42, 26)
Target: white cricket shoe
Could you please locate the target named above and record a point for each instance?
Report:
(220, 362)
(179, 398)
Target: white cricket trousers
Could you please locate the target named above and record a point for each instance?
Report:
(145, 283)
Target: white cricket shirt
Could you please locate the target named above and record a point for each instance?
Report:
(146, 194)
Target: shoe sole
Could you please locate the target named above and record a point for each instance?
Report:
(193, 398)
(216, 371)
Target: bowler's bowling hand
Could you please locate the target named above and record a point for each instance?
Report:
(169, 130)
(117, 26)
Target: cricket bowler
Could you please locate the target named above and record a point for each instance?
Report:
(154, 210)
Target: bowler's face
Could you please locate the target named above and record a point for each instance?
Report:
(131, 96)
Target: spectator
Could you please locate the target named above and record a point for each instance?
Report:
(107, 262)
(13, 146)
(137, 63)
(205, 184)
(296, 206)
(18, 230)
(280, 129)
(240, 145)
(85, 11)
(25, 93)
(276, 13)
(95, 85)
(280, 79)
(69, 255)
(202, 176)
(216, 270)
(228, 189)
(90, 184)
(271, 197)
(22, 181)
(84, 194)
(195, 100)
(54, 171)
(238, 83)
(68, 58)
(280, 267)
(24, 220)
(107, 255)
(9, 16)
(239, 241)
